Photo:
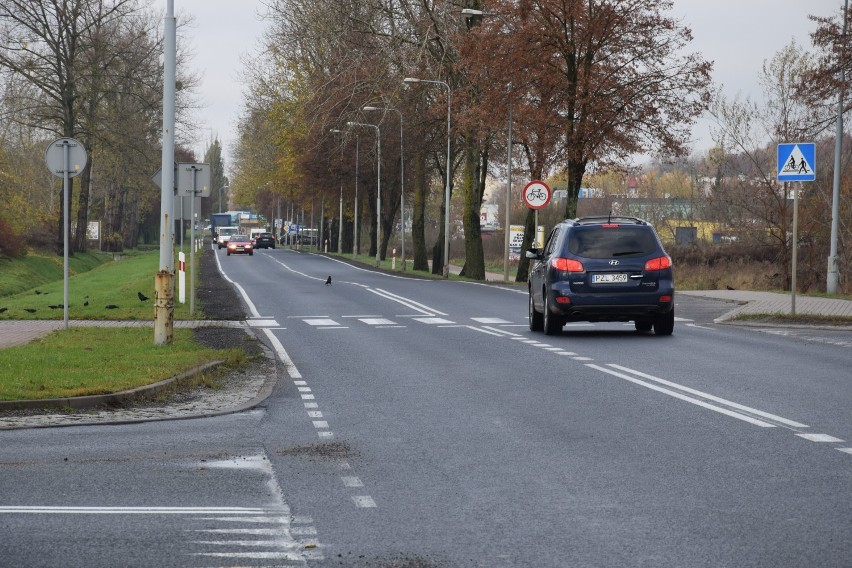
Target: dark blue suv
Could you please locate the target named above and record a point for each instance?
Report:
(601, 269)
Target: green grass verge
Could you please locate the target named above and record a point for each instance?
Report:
(96, 360)
(798, 319)
(109, 283)
(36, 269)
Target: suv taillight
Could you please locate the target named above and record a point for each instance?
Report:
(567, 265)
(660, 263)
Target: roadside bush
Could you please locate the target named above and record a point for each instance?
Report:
(114, 243)
(11, 245)
(42, 237)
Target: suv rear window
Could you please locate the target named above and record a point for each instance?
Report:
(606, 242)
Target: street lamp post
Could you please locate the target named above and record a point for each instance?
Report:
(401, 180)
(340, 222)
(356, 245)
(378, 186)
(447, 189)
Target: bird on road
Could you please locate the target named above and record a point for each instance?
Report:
(142, 297)
(111, 306)
(328, 282)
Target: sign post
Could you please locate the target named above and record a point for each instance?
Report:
(796, 162)
(65, 158)
(193, 180)
(536, 195)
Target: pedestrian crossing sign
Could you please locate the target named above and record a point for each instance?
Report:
(797, 161)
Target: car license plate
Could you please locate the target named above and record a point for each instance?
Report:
(609, 278)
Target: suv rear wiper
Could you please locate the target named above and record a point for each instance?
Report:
(627, 252)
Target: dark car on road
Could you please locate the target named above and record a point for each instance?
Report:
(597, 269)
(264, 240)
(240, 244)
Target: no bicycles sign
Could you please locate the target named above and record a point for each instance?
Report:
(536, 194)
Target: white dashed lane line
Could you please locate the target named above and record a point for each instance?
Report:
(324, 432)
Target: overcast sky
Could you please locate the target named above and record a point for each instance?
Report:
(738, 35)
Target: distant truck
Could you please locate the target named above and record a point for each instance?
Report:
(224, 234)
(222, 220)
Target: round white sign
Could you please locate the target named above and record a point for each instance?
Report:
(536, 194)
(54, 157)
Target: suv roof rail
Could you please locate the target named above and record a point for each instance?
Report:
(609, 219)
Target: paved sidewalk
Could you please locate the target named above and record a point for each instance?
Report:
(774, 303)
(19, 332)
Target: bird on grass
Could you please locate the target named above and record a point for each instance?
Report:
(142, 297)
(38, 292)
(30, 310)
(3, 310)
(86, 301)
(111, 307)
(54, 307)
(328, 282)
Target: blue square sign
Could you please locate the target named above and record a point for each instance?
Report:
(797, 161)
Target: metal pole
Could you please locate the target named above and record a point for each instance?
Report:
(833, 262)
(192, 242)
(506, 224)
(447, 194)
(401, 177)
(793, 283)
(340, 222)
(356, 242)
(378, 187)
(164, 282)
(401, 190)
(66, 181)
(378, 196)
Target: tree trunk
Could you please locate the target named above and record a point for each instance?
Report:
(474, 264)
(418, 214)
(576, 170)
(529, 233)
(371, 203)
(80, 238)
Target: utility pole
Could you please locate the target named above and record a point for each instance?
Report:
(164, 298)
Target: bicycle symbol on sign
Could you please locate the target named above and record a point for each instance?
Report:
(536, 194)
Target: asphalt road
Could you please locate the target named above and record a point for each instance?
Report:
(420, 424)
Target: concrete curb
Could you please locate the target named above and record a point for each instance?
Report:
(264, 392)
(113, 399)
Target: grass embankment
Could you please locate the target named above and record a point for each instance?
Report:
(36, 269)
(88, 361)
(85, 361)
(98, 282)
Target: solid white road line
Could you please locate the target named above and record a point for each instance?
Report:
(282, 355)
(680, 396)
(735, 405)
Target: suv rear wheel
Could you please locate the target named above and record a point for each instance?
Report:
(552, 322)
(664, 324)
(536, 318)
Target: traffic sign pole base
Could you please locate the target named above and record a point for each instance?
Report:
(164, 304)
